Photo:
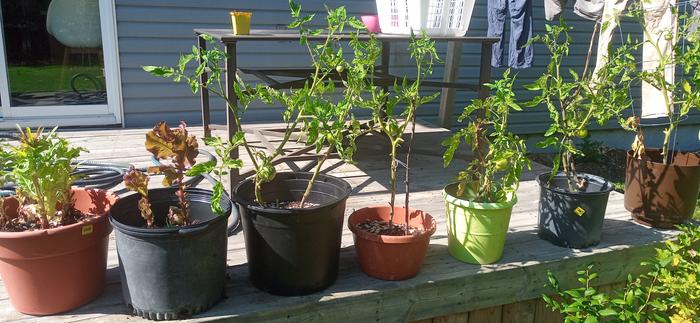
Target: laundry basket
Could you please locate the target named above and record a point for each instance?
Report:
(435, 17)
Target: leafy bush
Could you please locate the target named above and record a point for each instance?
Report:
(576, 100)
(497, 150)
(683, 94)
(393, 123)
(41, 166)
(669, 290)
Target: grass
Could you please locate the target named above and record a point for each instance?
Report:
(50, 78)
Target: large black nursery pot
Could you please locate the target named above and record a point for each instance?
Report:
(293, 251)
(572, 219)
(171, 273)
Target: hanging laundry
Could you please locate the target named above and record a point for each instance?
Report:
(693, 28)
(587, 9)
(610, 21)
(661, 22)
(520, 14)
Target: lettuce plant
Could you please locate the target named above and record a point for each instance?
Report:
(177, 151)
(497, 150)
(41, 165)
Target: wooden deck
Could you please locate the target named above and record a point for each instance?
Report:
(506, 291)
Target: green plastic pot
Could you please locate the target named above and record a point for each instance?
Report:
(476, 231)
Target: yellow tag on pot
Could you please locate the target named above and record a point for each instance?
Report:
(87, 229)
(579, 211)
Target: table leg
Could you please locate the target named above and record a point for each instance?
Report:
(485, 70)
(231, 125)
(447, 97)
(384, 68)
(204, 92)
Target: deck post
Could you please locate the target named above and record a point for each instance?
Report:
(485, 69)
(204, 92)
(231, 125)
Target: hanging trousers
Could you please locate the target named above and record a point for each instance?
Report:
(520, 14)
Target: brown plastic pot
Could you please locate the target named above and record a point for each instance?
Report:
(56, 270)
(660, 195)
(391, 257)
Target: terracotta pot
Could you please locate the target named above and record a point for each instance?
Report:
(660, 195)
(391, 257)
(56, 270)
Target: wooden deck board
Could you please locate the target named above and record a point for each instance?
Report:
(445, 286)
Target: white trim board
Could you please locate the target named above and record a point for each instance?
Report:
(4, 84)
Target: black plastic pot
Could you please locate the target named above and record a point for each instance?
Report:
(293, 251)
(171, 273)
(572, 219)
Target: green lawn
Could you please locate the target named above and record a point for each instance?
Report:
(51, 78)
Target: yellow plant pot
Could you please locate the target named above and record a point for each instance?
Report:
(240, 21)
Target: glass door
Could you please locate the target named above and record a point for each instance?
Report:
(58, 63)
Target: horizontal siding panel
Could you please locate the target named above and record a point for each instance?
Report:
(155, 32)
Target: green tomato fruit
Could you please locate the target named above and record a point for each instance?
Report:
(582, 133)
(501, 164)
(339, 68)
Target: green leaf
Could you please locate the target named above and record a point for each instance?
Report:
(607, 312)
(452, 143)
(201, 168)
(295, 8)
(217, 198)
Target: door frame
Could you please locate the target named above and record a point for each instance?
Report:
(71, 115)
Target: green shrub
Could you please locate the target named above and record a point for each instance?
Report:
(669, 290)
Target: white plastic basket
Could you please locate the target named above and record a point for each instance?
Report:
(435, 17)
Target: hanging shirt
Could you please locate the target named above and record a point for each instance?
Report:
(588, 9)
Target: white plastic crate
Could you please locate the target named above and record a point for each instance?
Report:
(435, 17)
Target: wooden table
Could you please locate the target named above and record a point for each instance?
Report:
(384, 78)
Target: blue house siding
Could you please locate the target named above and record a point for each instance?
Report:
(155, 32)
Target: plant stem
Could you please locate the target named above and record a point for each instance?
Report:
(258, 188)
(310, 185)
(394, 143)
(407, 180)
(664, 91)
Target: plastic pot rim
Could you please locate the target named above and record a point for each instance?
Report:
(94, 219)
(168, 232)
(542, 181)
(645, 159)
(449, 198)
(296, 211)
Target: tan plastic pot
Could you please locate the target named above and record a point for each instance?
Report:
(56, 270)
(391, 257)
(661, 195)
